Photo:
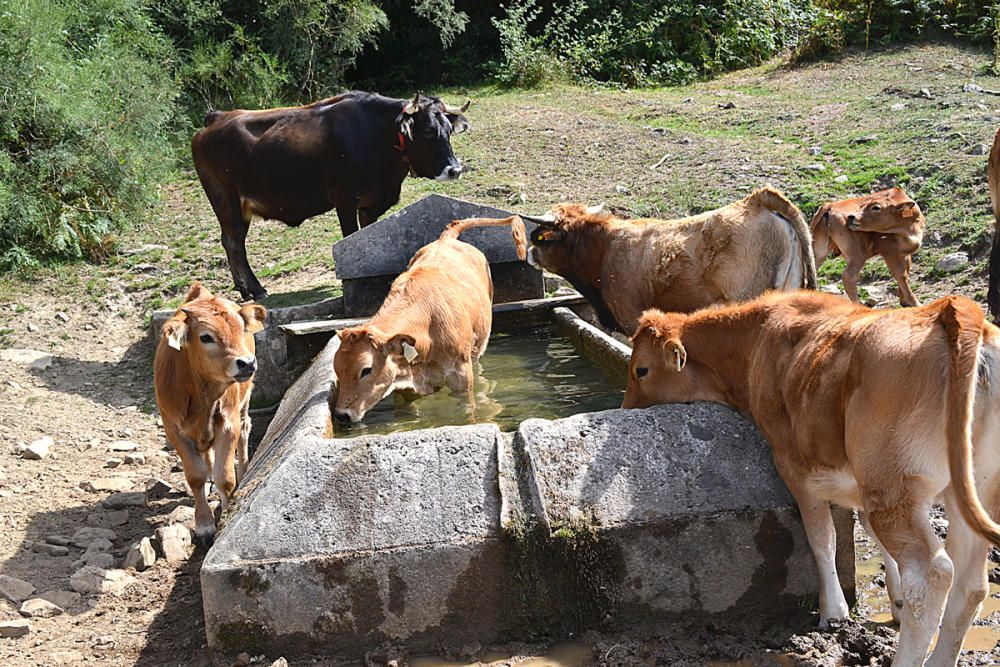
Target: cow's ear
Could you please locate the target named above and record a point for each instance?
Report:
(675, 354)
(403, 345)
(197, 291)
(254, 316)
(822, 215)
(175, 330)
(907, 209)
(459, 123)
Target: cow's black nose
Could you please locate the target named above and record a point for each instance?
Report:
(454, 171)
(246, 365)
(341, 417)
(852, 221)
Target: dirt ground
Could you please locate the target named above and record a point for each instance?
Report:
(96, 390)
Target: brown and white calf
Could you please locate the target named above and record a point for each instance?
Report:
(886, 223)
(886, 411)
(203, 376)
(430, 330)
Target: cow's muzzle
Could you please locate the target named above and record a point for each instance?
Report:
(245, 368)
(342, 417)
(450, 173)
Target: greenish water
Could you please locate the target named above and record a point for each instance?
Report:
(532, 373)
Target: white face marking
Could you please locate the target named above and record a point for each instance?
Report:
(447, 175)
(532, 261)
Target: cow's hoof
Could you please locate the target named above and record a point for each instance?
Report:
(259, 296)
(204, 541)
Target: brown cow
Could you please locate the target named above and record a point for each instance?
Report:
(432, 327)
(993, 178)
(880, 410)
(203, 374)
(886, 223)
(622, 267)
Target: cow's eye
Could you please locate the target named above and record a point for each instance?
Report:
(876, 208)
(641, 372)
(207, 339)
(366, 371)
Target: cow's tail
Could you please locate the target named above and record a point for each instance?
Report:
(993, 177)
(963, 323)
(212, 116)
(456, 227)
(776, 202)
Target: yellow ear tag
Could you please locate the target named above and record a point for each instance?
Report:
(409, 352)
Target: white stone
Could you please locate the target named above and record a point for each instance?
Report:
(63, 599)
(140, 556)
(38, 449)
(952, 262)
(123, 446)
(35, 360)
(90, 580)
(39, 608)
(106, 484)
(174, 541)
(135, 459)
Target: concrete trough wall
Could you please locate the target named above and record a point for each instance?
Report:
(459, 534)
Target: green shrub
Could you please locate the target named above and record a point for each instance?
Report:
(86, 102)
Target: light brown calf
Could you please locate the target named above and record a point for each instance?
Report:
(886, 223)
(432, 327)
(622, 267)
(203, 374)
(885, 411)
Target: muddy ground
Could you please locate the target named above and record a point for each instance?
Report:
(531, 150)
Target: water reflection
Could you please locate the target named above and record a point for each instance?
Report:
(533, 373)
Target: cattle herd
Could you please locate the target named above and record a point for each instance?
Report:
(884, 411)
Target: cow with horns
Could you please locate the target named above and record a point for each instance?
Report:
(350, 153)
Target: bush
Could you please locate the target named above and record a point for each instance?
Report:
(86, 104)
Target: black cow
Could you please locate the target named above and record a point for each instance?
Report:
(349, 152)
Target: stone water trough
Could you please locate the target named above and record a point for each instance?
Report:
(457, 534)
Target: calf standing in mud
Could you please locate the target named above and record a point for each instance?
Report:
(203, 376)
(433, 326)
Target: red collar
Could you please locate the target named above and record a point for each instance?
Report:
(401, 145)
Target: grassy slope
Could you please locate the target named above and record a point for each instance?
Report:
(530, 149)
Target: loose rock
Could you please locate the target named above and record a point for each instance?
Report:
(123, 446)
(952, 262)
(62, 316)
(140, 555)
(106, 484)
(841, 179)
(157, 489)
(117, 501)
(83, 537)
(174, 541)
(13, 629)
(90, 580)
(815, 150)
(182, 514)
(39, 608)
(118, 517)
(60, 540)
(38, 450)
(50, 549)
(866, 139)
(926, 94)
(112, 463)
(136, 459)
(14, 589)
(978, 149)
(35, 360)
(63, 599)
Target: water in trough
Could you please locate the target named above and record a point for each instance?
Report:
(533, 372)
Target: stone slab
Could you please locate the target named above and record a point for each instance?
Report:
(386, 247)
(512, 281)
(370, 259)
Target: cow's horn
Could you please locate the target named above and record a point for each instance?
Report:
(457, 110)
(413, 106)
(547, 220)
